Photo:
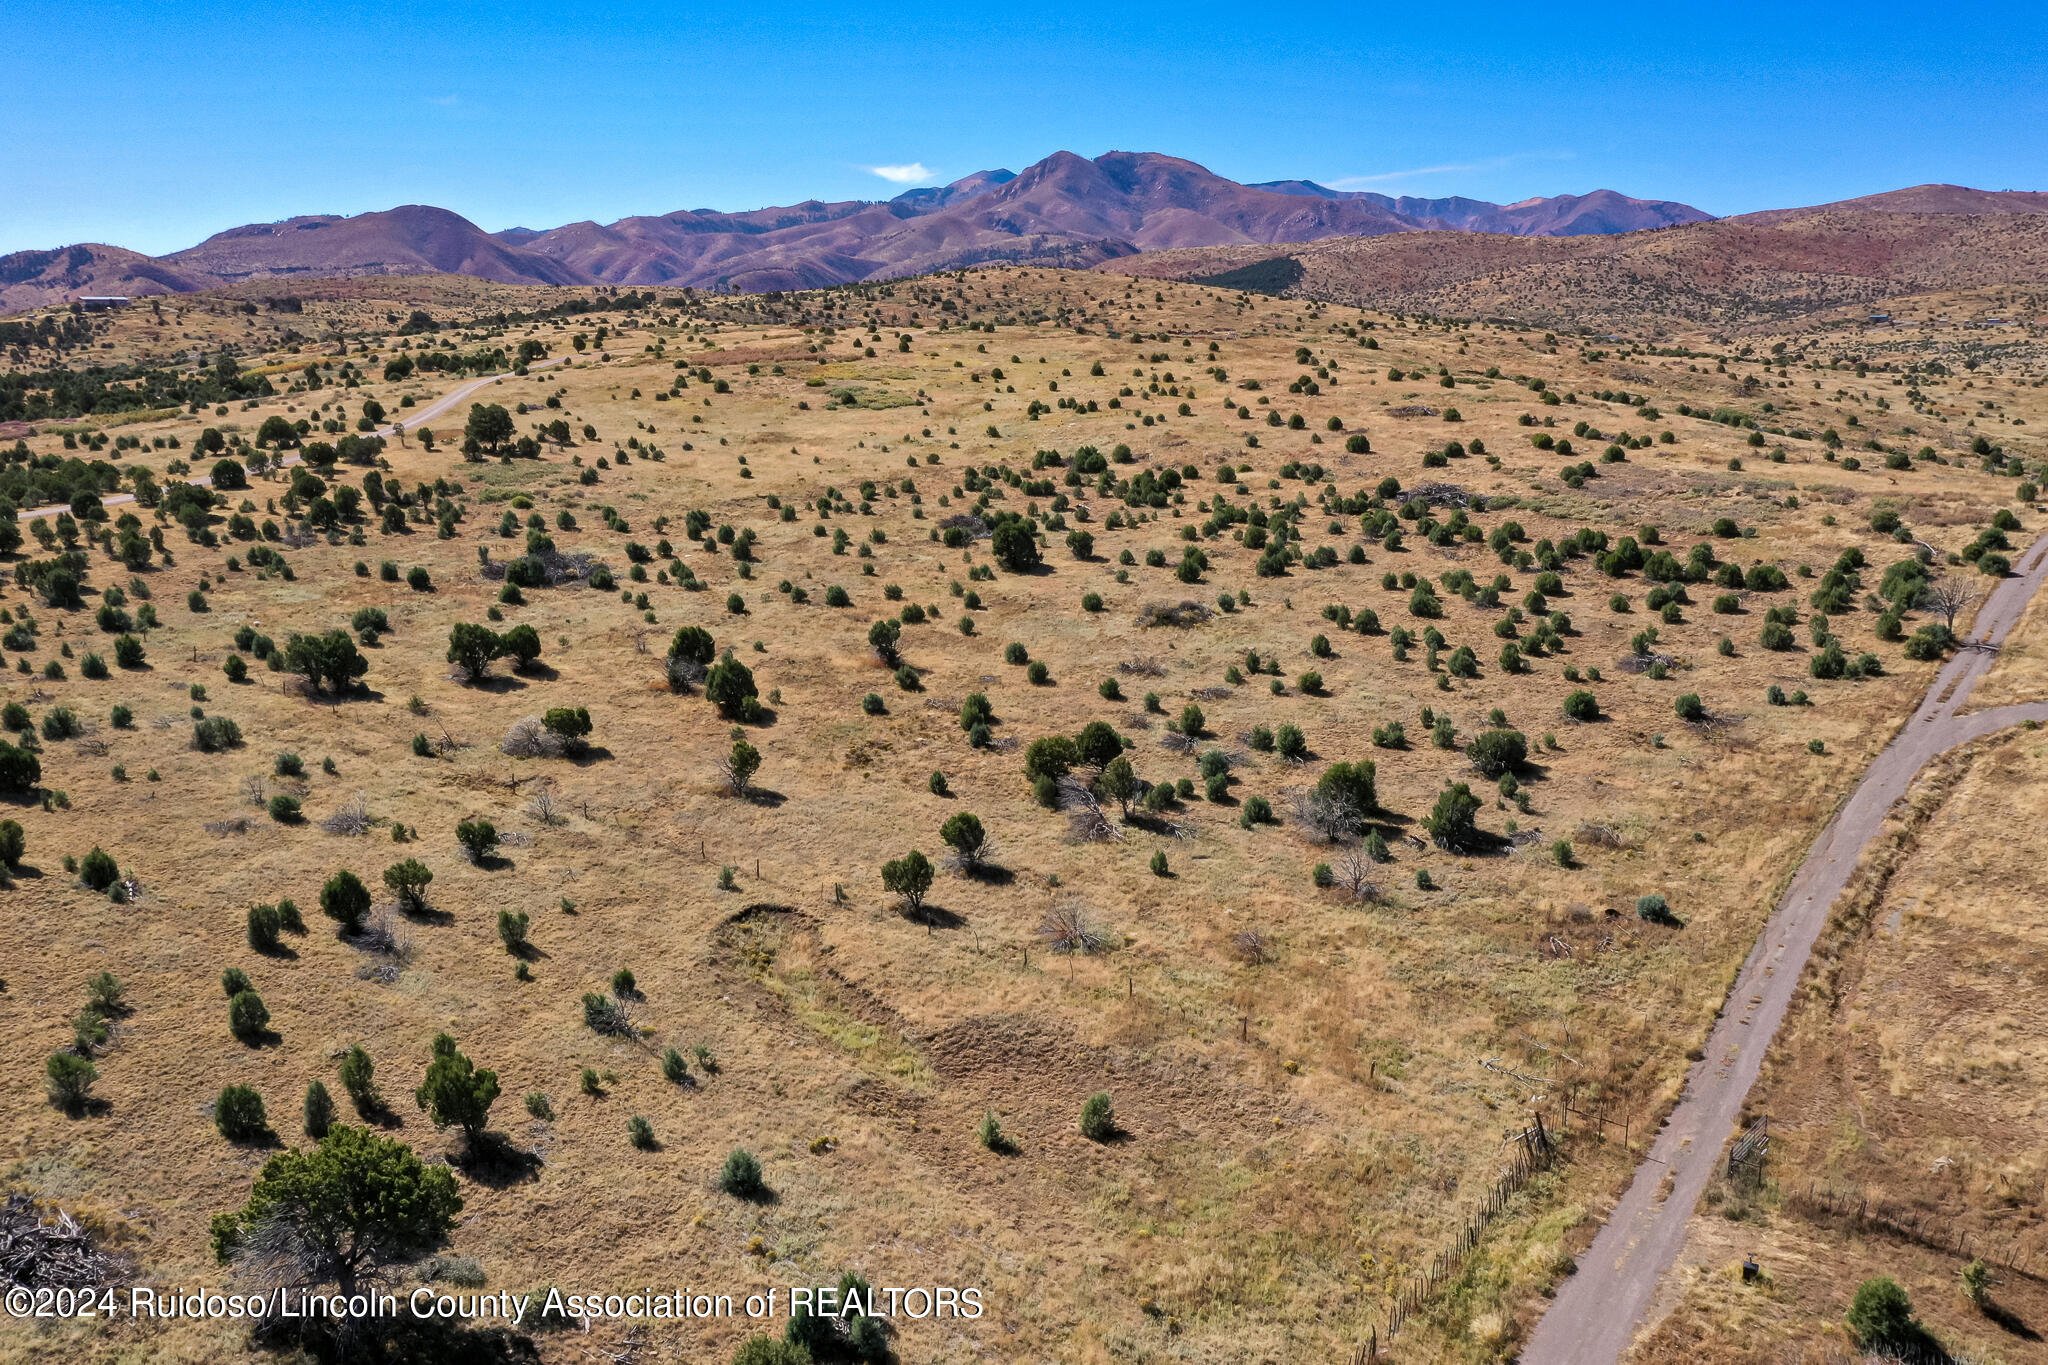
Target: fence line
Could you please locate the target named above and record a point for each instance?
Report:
(1536, 1151)
(1939, 1234)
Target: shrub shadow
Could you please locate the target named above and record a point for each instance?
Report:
(2009, 1321)
(989, 874)
(493, 1162)
(937, 917)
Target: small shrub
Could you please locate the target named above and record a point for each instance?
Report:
(213, 734)
(512, 930)
(263, 928)
(357, 1074)
(740, 1176)
(345, 900)
(248, 1017)
(103, 992)
(1098, 1118)
(98, 870)
(479, 839)
(238, 1113)
(70, 1079)
(605, 1015)
(1881, 1314)
(318, 1111)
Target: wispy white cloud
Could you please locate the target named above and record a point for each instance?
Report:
(1493, 163)
(913, 173)
(445, 101)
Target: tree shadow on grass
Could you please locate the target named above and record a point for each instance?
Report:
(494, 1162)
(358, 693)
(2009, 1321)
(989, 874)
(92, 1107)
(498, 683)
(936, 917)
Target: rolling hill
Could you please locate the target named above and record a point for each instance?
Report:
(1727, 273)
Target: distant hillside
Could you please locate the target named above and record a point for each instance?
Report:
(1733, 272)
(1601, 213)
(1920, 199)
(411, 240)
(35, 279)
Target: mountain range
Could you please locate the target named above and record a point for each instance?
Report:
(1065, 210)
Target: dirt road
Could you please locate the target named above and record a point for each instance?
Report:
(1598, 1311)
(413, 418)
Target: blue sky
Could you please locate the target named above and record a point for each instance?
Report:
(153, 125)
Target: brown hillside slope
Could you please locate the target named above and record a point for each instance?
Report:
(1729, 273)
(1920, 199)
(35, 279)
(414, 239)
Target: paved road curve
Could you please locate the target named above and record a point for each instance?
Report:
(1598, 1311)
(414, 416)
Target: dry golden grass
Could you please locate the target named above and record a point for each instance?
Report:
(1909, 1076)
(1302, 1132)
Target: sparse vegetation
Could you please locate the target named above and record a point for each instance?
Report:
(1200, 883)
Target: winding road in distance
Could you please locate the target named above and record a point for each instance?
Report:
(414, 417)
(1599, 1309)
